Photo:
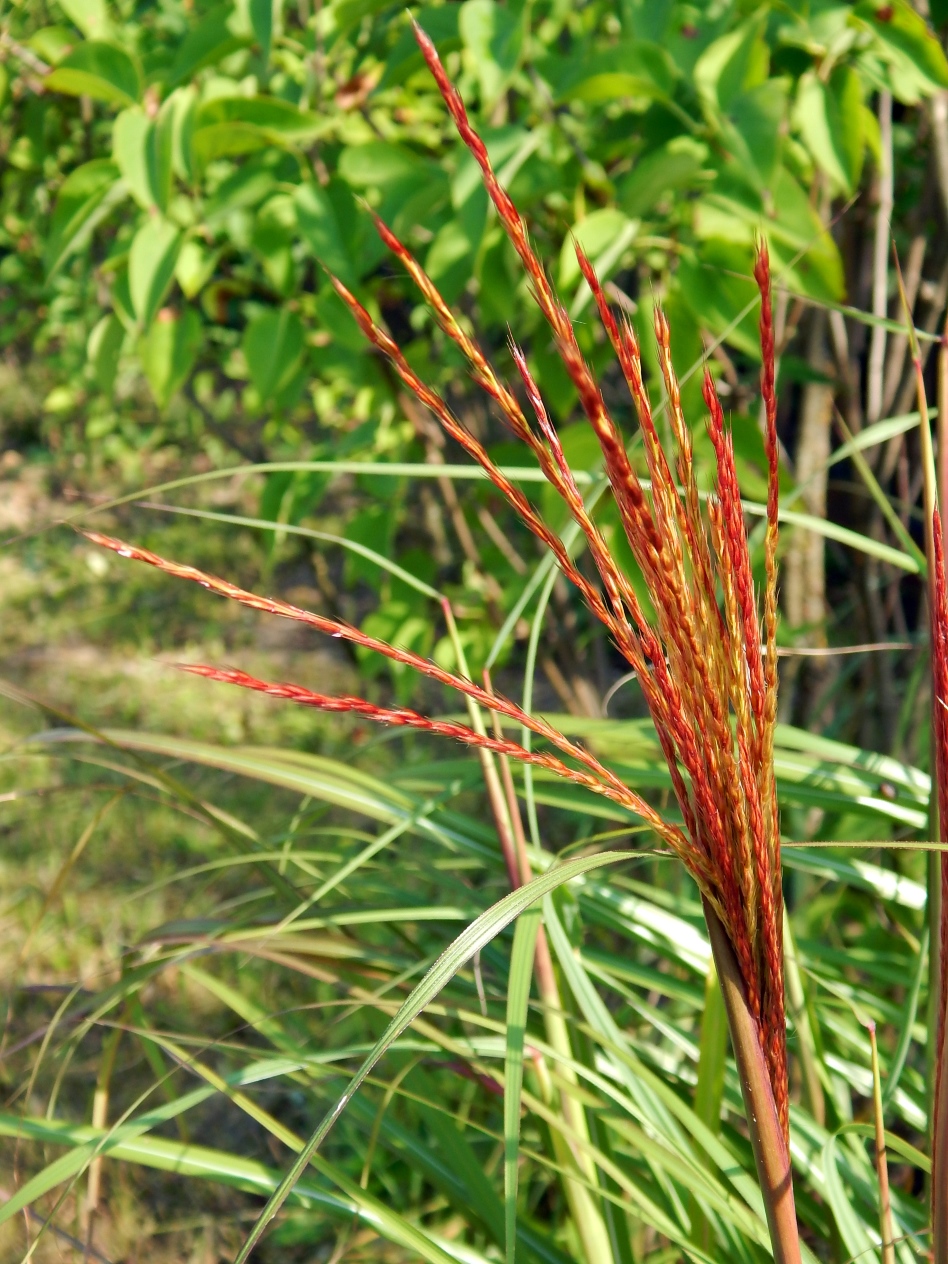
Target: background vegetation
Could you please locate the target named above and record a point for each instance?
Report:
(211, 905)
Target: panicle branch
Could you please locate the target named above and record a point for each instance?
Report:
(404, 717)
(609, 783)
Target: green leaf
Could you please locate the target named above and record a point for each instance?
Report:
(104, 348)
(856, 1240)
(143, 149)
(904, 37)
(261, 19)
(829, 117)
(346, 14)
(327, 780)
(168, 351)
(712, 1057)
(472, 1191)
(52, 43)
(868, 476)
(802, 250)
(122, 301)
(493, 37)
(885, 884)
(182, 104)
(90, 16)
(310, 533)
(518, 997)
(274, 236)
(131, 137)
(732, 65)
(906, 1026)
(127, 1143)
(756, 121)
(380, 166)
(214, 38)
(450, 259)
(633, 68)
(99, 70)
(714, 287)
(894, 1143)
(604, 235)
(151, 265)
(660, 173)
(476, 936)
(85, 198)
(239, 125)
(273, 345)
(441, 25)
(195, 267)
(320, 228)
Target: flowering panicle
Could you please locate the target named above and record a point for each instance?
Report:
(707, 672)
(597, 778)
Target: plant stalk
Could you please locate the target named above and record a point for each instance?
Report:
(501, 795)
(771, 1154)
(938, 1058)
(938, 1055)
(940, 1163)
(882, 1164)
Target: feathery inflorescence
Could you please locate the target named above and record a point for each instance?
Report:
(707, 674)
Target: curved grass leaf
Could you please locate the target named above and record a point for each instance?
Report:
(309, 533)
(202, 1162)
(476, 936)
(518, 996)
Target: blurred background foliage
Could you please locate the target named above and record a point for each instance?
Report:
(175, 177)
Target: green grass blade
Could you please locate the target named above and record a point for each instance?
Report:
(852, 1229)
(814, 1076)
(895, 1143)
(476, 936)
(541, 575)
(842, 535)
(202, 1162)
(709, 1091)
(712, 1055)
(261, 524)
(883, 883)
(518, 996)
(328, 780)
(881, 499)
(878, 432)
(897, 1064)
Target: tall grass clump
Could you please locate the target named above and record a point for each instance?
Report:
(704, 656)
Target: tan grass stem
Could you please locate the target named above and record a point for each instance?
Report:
(771, 1153)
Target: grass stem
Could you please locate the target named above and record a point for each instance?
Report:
(882, 1165)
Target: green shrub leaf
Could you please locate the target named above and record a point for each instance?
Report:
(273, 345)
(99, 70)
(168, 351)
(151, 265)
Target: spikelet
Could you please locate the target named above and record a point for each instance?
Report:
(707, 673)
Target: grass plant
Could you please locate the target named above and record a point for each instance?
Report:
(700, 660)
(612, 1121)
